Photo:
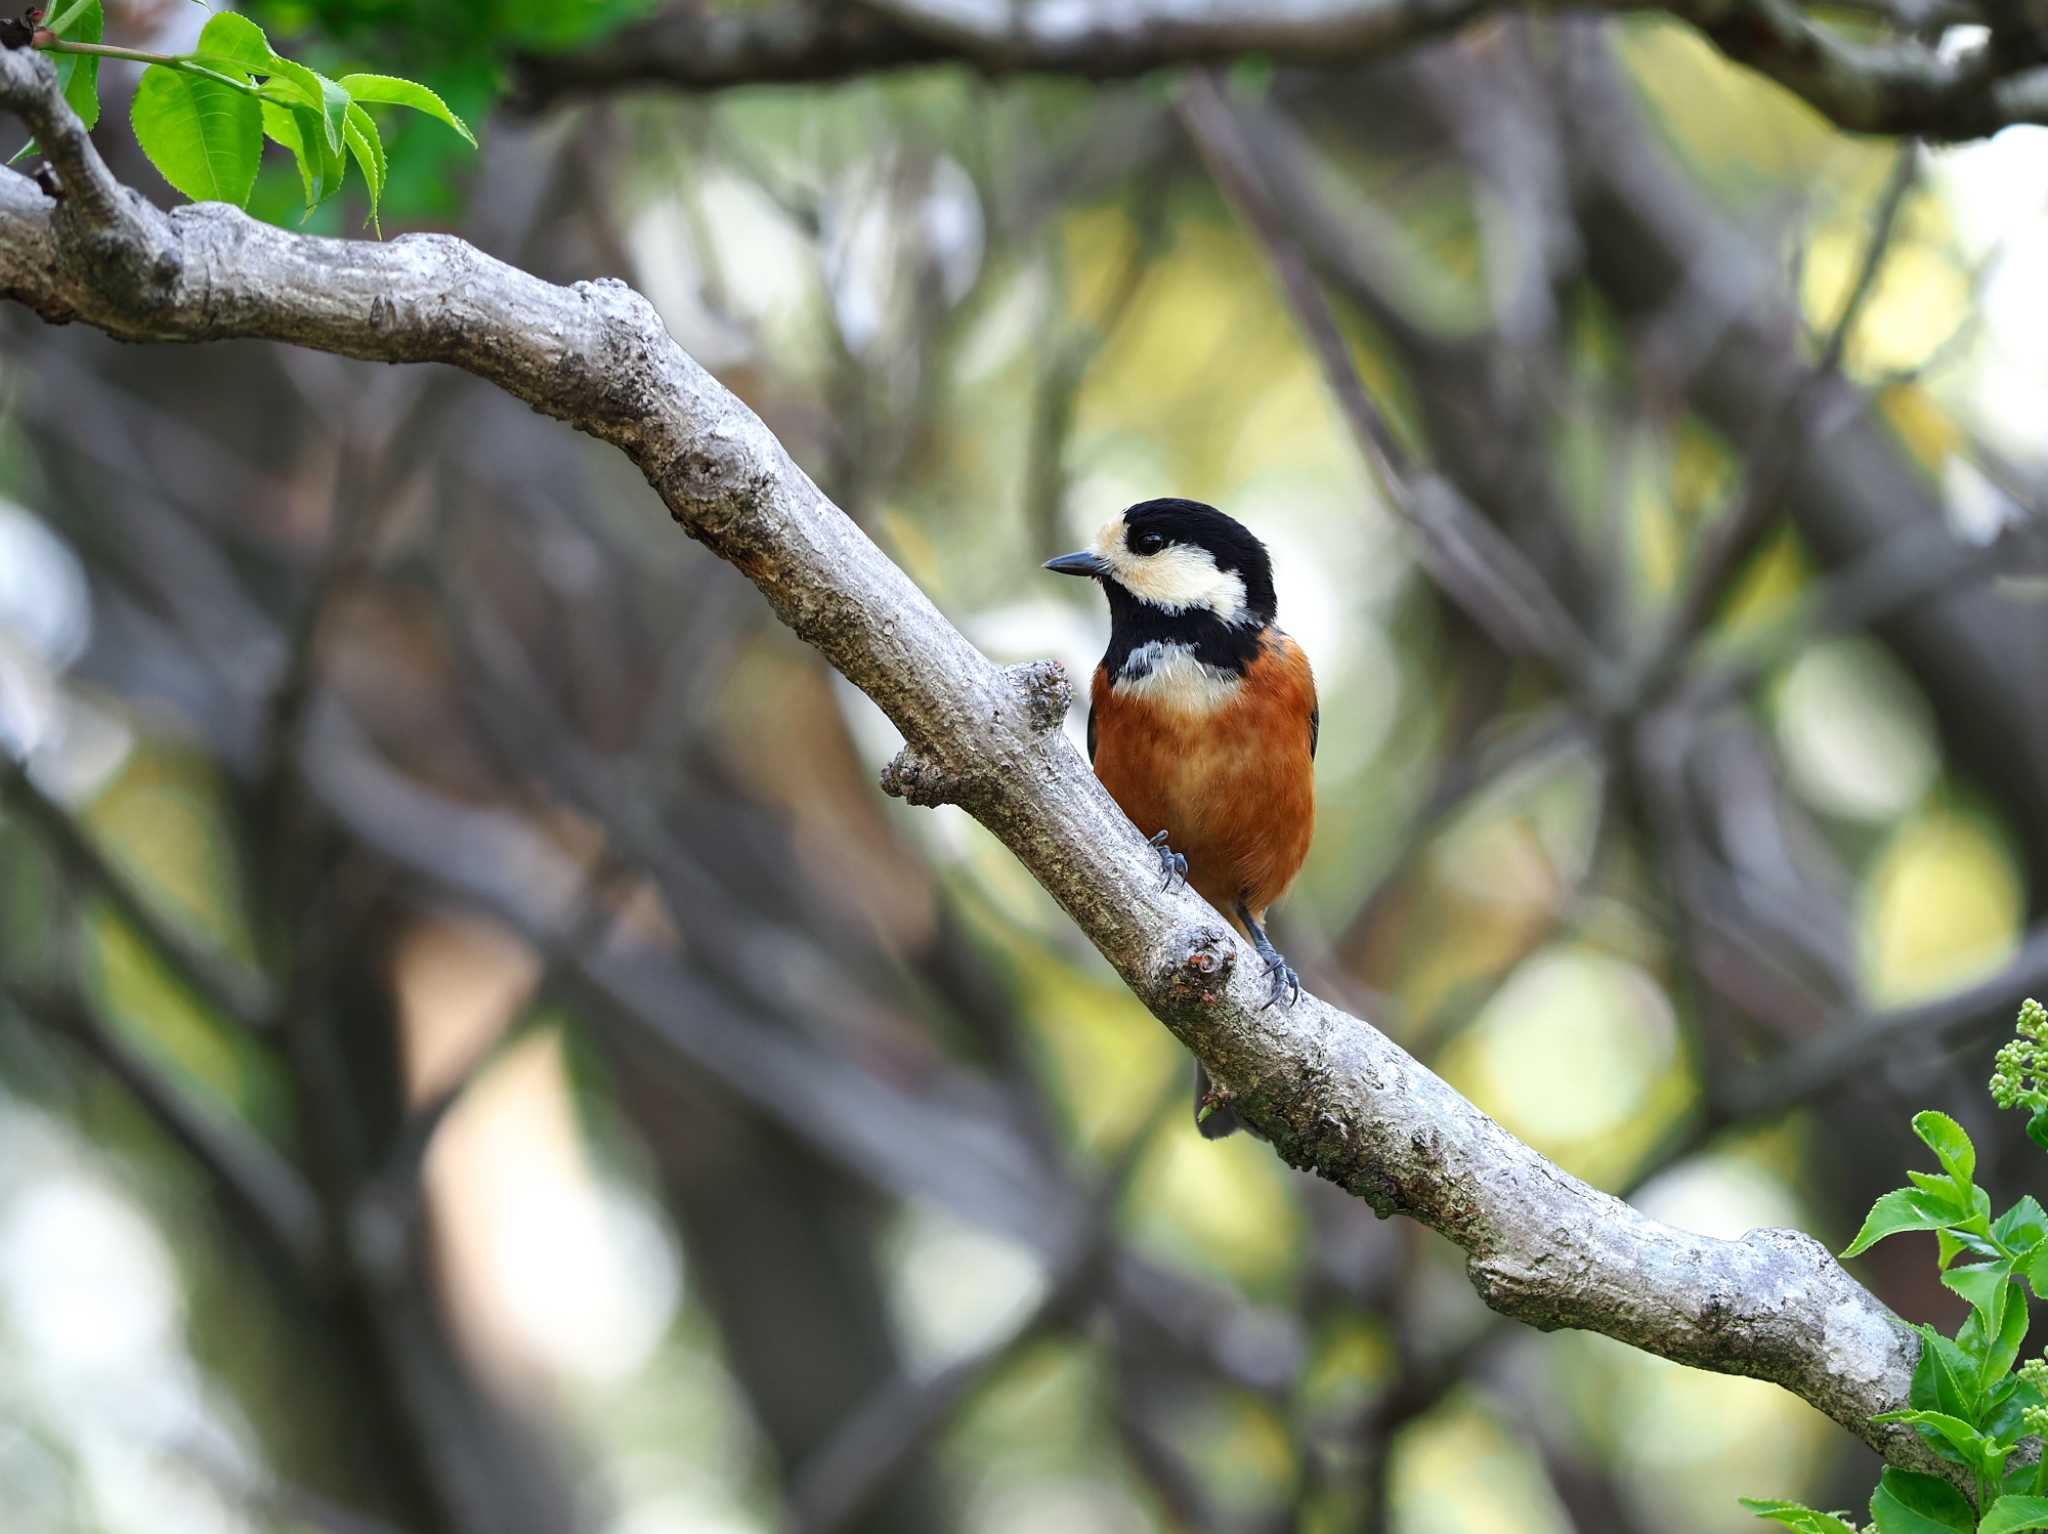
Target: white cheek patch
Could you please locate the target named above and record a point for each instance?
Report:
(1169, 676)
(1180, 577)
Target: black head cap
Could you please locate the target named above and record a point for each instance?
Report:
(1228, 541)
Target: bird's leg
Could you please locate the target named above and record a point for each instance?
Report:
(1286, 983)
(1172, 864)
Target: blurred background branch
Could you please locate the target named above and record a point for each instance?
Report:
(456, 838)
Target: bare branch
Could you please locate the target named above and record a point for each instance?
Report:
(1330, 1092)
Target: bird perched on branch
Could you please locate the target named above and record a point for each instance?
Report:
(1202, 720)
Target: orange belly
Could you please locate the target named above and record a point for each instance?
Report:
(1233, 787)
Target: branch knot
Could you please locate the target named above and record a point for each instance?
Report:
(917, 779)
(1044, 690)
(1199, 961)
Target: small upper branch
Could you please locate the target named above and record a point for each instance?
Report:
(1903, 87)
(698, 48)
(1332, 1093)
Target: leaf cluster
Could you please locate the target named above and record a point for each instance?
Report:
(1971, 1399)
(202, 116)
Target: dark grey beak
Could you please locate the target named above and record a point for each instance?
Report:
(1083, 563)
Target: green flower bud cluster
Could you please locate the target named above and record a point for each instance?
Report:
(2019, 1077)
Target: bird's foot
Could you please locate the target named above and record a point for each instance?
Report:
(1172, 865)
(1286, 983)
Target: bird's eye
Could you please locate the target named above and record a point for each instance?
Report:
(1149, 543)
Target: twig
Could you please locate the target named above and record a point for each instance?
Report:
(1477, 566)
(1851, 1045)
(238, 993)
(842, 1480)
(1738, 533)
(257, 1183)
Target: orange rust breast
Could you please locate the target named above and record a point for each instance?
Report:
(1232, 786)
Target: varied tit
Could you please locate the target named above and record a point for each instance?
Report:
(1203, 719)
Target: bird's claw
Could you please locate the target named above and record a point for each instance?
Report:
(1286, 983)
(1172, 865)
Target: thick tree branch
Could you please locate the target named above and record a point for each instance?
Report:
(1332, 1094)
(1900, 87)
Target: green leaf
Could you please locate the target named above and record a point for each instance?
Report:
(79, 73)
(1942, 1191)
(1945, 1137)
(1900, 1210)
(392, 91)
(1994, 1349)
(1907, 1502)
(234, 41)
(2008, 1515)
(1986, 1286)
(1974, 1447)
(1952, 1246)
(281, 126)
(237, 42)
(2001, 1415)
(1796, 1515)
(367, 145)
(1945, 1379)
(203, 135)
(2036, 1270)
(317, 91)
(296, 126)
(2021, 1228)
(2037, 1130)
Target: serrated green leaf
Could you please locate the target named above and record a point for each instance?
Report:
(2037, 1130)
(2036, 1270)
(1986, 1285)
(1951, 1146)
(294, 125)
(1951, 1245)
(1797, 1516)
(2021, 1228)
(1902, 1209)
(1975, 1450)
(282, 128)
(2008, 1515)
(367, 145)
(79, 73)
(2001, 1413)
(1945, 1379)
(389, 90)
(1938, 1187)
(1907, 1502)
(1994, 1349)
(325, 96)
(204, 136)
(233, 41)
(1954, 1429)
